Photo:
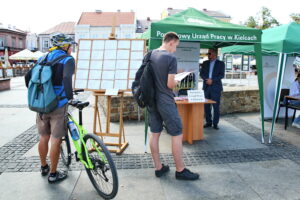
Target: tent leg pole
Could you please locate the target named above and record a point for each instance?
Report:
(258, 57)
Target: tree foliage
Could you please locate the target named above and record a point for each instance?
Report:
(295, 17)
(267, 20)
(262, 20)
(251, 22)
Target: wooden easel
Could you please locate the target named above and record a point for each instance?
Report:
(121, 135)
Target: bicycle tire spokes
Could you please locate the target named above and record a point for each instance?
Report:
(65, 151)
(100, 170)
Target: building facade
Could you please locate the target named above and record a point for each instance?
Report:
(216, 14)
(143, 25)
(32, 41)
(99, 25)
(12, 39)
(44, 38)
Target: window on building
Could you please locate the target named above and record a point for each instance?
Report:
(46, 44)
(105, 36)
(83, 36)
(1, 42)
(21, 43)
(13, 41)
(95, 36)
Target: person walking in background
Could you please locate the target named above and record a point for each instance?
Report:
(212, 73)
(164, 65)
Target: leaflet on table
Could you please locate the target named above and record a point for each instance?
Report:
(180, 76)
(196, 96)
(180, 98)
(111, 92)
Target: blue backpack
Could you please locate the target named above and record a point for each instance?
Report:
(41, 94)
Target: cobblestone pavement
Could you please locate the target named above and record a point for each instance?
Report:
(14, 106)
(12, 159)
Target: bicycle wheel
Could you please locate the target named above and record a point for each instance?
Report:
(104, 174)
(65, 150)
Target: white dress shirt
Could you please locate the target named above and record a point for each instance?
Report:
(211, 68)
(295, 89)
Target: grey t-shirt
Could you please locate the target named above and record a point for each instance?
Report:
(163, 64)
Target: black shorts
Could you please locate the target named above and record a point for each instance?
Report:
(168, 114)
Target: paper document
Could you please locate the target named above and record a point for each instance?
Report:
(180, 76)
(196, 96)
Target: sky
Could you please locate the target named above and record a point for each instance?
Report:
(39, 15)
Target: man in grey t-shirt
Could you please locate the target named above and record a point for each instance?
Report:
(164, 66)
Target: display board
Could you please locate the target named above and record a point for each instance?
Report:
(187, 55)
(229, 60)
(246, 63)
(108, 64)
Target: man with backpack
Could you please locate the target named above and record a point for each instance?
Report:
(164, 68)
(51, 121)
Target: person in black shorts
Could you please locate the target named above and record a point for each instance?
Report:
(164, 66)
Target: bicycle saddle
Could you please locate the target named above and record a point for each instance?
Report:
(79, 104)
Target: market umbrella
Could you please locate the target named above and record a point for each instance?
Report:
(23, 55)
(38, 54)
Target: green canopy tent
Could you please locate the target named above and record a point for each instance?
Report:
(282, 41)
(195, 26)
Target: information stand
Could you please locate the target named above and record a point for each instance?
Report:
(121, 144)
(192, 115)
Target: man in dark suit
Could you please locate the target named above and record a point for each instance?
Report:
(212, 72)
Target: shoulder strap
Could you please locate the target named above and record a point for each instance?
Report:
(53, 62)
(56, 60)
(43, 60)
(148, 56)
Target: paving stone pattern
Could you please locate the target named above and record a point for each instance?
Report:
(12, 160)
(14, 106)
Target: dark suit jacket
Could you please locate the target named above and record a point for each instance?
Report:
(217, 75)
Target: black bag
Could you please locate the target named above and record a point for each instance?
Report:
(143, 85)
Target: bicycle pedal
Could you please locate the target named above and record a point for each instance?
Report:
(76, 156)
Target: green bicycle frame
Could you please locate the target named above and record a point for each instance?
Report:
(82, 132)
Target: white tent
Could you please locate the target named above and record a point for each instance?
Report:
(38, 54)
(23, 55)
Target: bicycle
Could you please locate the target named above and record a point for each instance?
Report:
(93, 154)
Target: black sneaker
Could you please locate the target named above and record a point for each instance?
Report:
(186, 174)
(57, 176)
(207, 125)
(216, 126)
(45, 170)
(162, 171)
